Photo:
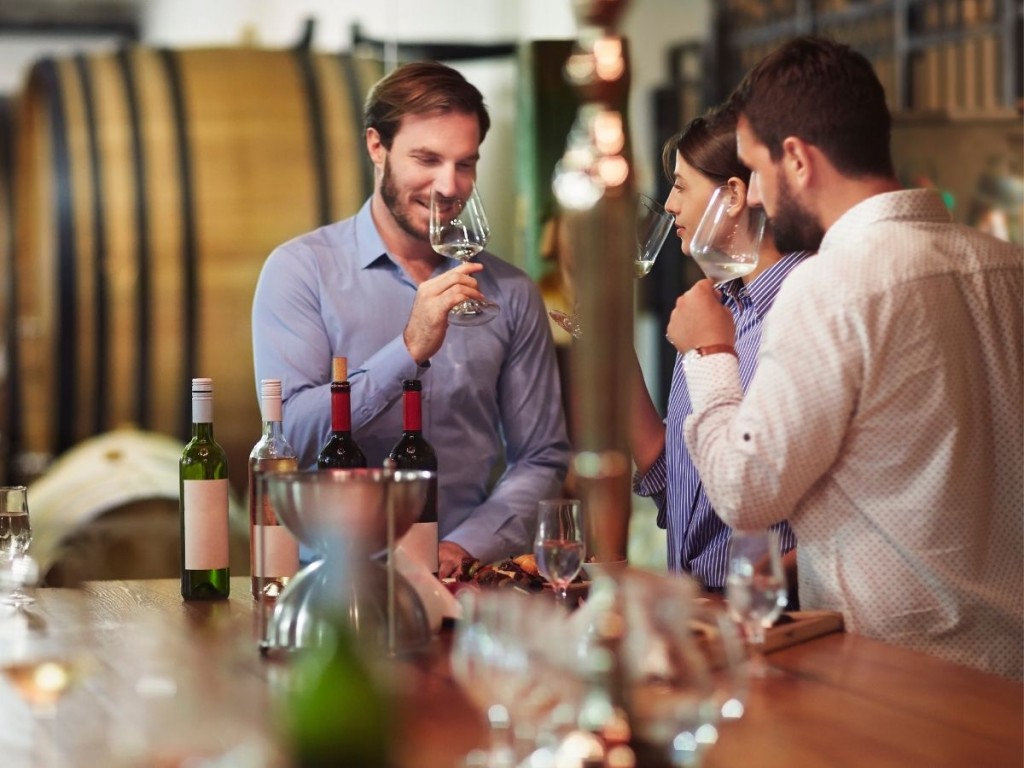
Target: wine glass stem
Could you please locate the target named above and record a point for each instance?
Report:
(501, 753)
(755, 638)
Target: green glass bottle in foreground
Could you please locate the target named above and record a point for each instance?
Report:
(337, 712)
(203, 489)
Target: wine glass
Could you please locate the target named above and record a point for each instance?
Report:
(653, 223)
(675, 698)
(43, 661)
(489, 661)
(726, 242)
(459, 230)
(559, 543)
(755, 588)
(15, 537)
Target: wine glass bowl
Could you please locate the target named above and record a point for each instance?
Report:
(653, 223)
(728, 237)
(755, 588)
(459, 230)
(559, 544)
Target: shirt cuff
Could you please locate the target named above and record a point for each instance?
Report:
(712, 378)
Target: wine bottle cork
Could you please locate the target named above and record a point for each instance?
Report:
(339, 369)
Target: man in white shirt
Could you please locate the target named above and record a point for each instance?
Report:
(886, 417)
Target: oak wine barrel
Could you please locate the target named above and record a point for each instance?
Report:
(151, 184)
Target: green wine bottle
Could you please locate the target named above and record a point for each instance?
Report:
(338, 713)
(203, 488)
(340, 451)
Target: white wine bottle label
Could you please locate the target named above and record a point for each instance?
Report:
(206, 524)
(421, 543)
(280, 552)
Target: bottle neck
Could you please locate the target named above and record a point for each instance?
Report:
(273, 430)
(272, 419)
(412, 420)
(202, 418)
(341, 407)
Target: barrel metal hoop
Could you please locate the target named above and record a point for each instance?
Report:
(143, 253)
(190, 331)
(307, 69)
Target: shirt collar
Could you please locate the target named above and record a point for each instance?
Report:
(370, 247)
(919, 205)
(761, 291)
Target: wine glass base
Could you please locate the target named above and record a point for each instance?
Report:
(17, 599)
(471, 312)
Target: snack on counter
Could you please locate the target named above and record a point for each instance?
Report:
(513, 572)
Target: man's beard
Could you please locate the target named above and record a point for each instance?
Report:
(793, 226)
(399, 212)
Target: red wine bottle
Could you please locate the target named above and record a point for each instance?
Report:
(413, 451)
(340, 451)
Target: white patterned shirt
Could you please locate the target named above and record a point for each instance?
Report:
(886, 421)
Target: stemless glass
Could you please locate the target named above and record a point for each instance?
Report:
(725, 245)
(559, 544)
(459, 230)
(15, 537)
(755, 588)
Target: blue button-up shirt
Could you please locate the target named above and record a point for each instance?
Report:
(698, 540)
(491, 396)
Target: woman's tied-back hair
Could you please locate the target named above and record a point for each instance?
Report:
(826, 94)
(708, 145)
(421, 88)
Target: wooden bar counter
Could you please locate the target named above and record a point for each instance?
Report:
(837, 700)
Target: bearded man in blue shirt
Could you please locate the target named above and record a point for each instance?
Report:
(371, 289)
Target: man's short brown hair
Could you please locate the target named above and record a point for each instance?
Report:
(421, 88)
(824, 93)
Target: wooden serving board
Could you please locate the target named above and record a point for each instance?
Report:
(798, 626)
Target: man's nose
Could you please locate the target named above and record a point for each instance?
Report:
(446, 181)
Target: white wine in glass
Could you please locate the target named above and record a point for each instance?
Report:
(726, 243)
(559, 544)
(15, 537)
(653, 223)
(459, 230)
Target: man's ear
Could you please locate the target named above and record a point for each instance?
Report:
(375, 147)
(797, 162)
